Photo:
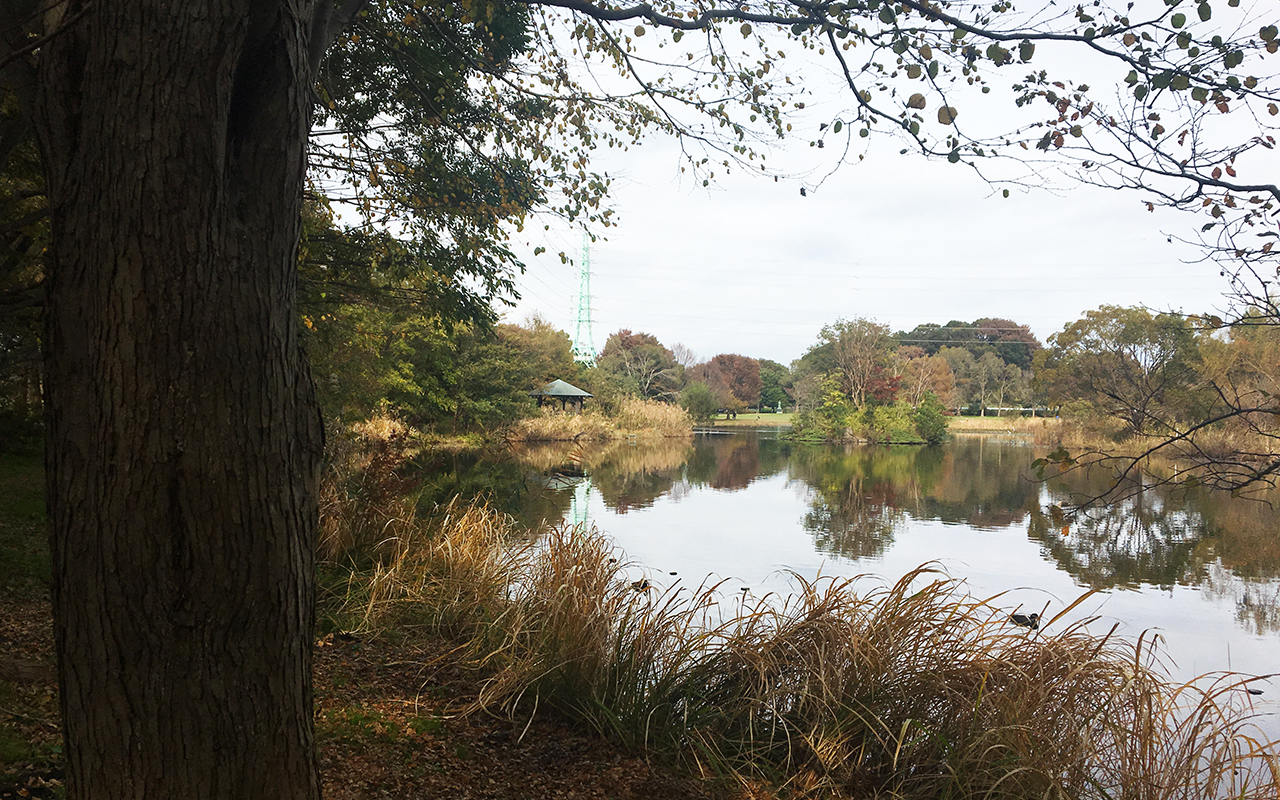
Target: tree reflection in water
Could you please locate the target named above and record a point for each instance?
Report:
(1140, 540)
(858, 500)
(863, 495)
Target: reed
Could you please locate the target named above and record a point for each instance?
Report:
(652, 418)
(912, 690)
(634, 417)
(363, 487)
(551, 425)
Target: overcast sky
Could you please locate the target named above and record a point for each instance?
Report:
(751, 266)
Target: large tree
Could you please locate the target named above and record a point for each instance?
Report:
(735, 379)
(1134, 366)
(183, 436)
(859, 352)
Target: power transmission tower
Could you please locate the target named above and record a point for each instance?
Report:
(584, 349)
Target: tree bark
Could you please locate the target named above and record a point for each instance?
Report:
(183, 436)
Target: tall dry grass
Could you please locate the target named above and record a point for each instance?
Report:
(551, 425)
(635, 417)
(652, 418)
(615, 453)
(450, 577)
(363, 487)
(913, 690)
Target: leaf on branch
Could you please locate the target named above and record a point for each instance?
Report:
(947, 115)
(1178, 20)
(916, 101)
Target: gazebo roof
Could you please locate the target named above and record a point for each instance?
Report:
(560, 389)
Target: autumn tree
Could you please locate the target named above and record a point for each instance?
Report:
(642, 365)
(1012, 342)
(1015, 344)
(735, 379)
(923, 375)
(858, 351)
(1134, 366)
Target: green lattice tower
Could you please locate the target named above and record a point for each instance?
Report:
(584, 349)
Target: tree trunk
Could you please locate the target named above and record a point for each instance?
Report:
(184, 438)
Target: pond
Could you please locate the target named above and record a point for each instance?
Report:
(749, 508)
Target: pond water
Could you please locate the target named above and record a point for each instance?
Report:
(748, 508)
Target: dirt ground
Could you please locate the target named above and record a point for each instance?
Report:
(386, 723)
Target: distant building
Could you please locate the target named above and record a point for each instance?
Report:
(565, 392)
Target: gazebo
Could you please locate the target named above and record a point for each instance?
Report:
(565, 392)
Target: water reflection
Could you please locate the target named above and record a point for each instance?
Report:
(863, 495)
(1134, 542)
(856, 503)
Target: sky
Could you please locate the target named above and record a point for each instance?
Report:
(752, 266)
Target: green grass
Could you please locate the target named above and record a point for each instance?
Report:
(25, 565)
(751, 419)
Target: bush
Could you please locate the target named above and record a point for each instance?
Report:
(893, 424)
(700, 402)
(931, 420)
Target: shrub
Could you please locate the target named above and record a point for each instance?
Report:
(931, 419)
(700, 402)
(893, 424)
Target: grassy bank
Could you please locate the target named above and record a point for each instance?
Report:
(752, 419)
(1031, 426)
(912, 690)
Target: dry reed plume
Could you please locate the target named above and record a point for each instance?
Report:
(912, 690)
(635, 417)
(615, 453)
